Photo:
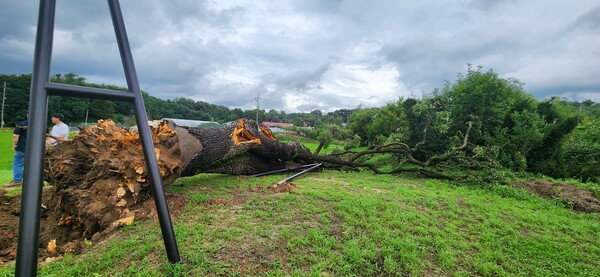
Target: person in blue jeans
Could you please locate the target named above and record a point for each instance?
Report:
(19, 138)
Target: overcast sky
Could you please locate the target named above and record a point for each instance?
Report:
(307, 54)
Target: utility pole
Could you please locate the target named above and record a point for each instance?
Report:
(3, 97)
(257, 106)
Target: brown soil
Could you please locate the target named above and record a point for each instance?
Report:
(67, 233)
(281, 188)
(582, 200)
(99, 183)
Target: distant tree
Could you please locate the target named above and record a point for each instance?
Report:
(251, 114)
(273, 116)
(68, 78)
(340, 116)
(387, 120)
(303, 119)
(360, 123)
(238, 113)
(16, 100)
(154, 106)
(324, 137)
(102, 109)
(427, 120)
(582, 151)
(317, 113)
(528, 132)
(221, 114)
(548, 157)
(283, 117)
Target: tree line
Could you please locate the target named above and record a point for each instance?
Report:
(80, 110)
(509, 127)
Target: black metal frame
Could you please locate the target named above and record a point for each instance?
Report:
(41, 88)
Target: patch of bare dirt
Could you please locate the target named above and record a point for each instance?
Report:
(60, 234)
(216, 201)
(9, 218)
(582, 200)
(282, 188)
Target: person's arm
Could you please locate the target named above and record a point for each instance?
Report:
(15, 141)
(61, 137)
(64, 133)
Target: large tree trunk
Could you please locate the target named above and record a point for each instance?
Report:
(238, 149)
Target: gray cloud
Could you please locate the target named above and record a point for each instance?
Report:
(306, 55)
(488, 5)
(302, 80)
(590, 20)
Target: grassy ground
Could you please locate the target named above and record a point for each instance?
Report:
(6, 151)
(309, 143)
(345, 224)
(6, 156)
(350, 224)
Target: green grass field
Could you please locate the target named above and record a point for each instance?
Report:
(6, 156)
(308, 143)
(350, 224)
(6, 151)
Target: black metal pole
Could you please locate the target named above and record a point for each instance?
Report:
(298, 174)
(29, 220)
(144, 131)
(281, 170)
(31, 196)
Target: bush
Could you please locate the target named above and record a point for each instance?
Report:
(582, 151)
(351, 144)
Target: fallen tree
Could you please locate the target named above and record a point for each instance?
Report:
(101, 182)
(108, 152)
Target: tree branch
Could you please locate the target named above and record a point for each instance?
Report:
(436, 159)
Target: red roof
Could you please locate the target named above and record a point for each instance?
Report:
(276, 124)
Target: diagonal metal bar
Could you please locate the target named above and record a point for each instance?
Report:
(298, 174)
(41, 88)
(282, 170)
(144, 132)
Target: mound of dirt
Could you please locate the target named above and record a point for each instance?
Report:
(60, 234)
(581, 199)
(99, 182)
(280, 188)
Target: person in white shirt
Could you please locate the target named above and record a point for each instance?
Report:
(60, 130)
